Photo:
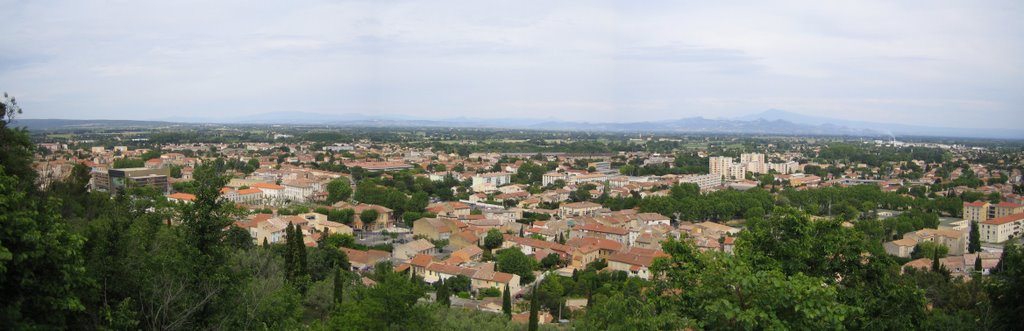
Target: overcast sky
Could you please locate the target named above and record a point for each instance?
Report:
(941, 63)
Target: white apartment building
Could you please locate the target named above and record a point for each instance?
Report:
(705, 182)
(490, 181)
(749, 162)
(720, 165)
(1000, 229)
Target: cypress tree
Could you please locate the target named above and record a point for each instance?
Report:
(506, 303)
(521, 227)
(300, 253)
(443, 296)
(339, 286)
(534, 307)
(974, 245)
(289, 252)
(265, 242)
(977, 263)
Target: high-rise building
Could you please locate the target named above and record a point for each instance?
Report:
(719, 165)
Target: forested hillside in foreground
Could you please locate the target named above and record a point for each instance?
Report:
(71, 259)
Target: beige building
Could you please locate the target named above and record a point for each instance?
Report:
(955, 240)
(432, 228)
(636, 261)
(900, 248)
(579, 209)
(410, 249)
(1000, 229)
(980, 210)
(320, 223)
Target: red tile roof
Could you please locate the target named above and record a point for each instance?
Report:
(1005, 204)
(603, 229)
(1004, 219)
(268, 186)
(975, 204)
(182, 196)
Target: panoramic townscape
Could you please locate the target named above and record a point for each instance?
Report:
(512, 165)
(271, 226)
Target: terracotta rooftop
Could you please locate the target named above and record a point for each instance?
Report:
(1004, 219)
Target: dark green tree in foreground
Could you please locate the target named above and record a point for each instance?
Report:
(444, 296)
(534, 310)
(506, 303)
(339, 286)
(1007, 287)
(974, 245)
(40, 261)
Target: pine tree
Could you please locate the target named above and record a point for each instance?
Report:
(339, 286)
(534, 307)
(506, 303)
(974, 245)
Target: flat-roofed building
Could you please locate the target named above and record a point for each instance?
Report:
(116, 180)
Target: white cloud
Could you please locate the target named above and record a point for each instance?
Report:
(614, 61)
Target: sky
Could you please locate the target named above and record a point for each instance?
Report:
(935, 63)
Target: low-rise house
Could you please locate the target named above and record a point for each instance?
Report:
(320, 223)
(577, 209)
(529, 246)
(466, 254)
(901, 248)
(652, 219)
(181, 197)
(718, 229)
(958, 265)
(481, 275)
(410, 249)
(620, 235)
(432, 228)
(604, 247)
(450, 209)
(729, 244)
(364, 260)
(385, 216)
(956, 241)
(635, 261)
(466, 238)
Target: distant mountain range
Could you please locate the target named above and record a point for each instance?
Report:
(887, 128)
(769, 122)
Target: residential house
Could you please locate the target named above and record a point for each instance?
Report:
(432, 228)
(364, 260)
(410, 249)
(717, 229)
(584, 208)
(635, 261)
(620, 235)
